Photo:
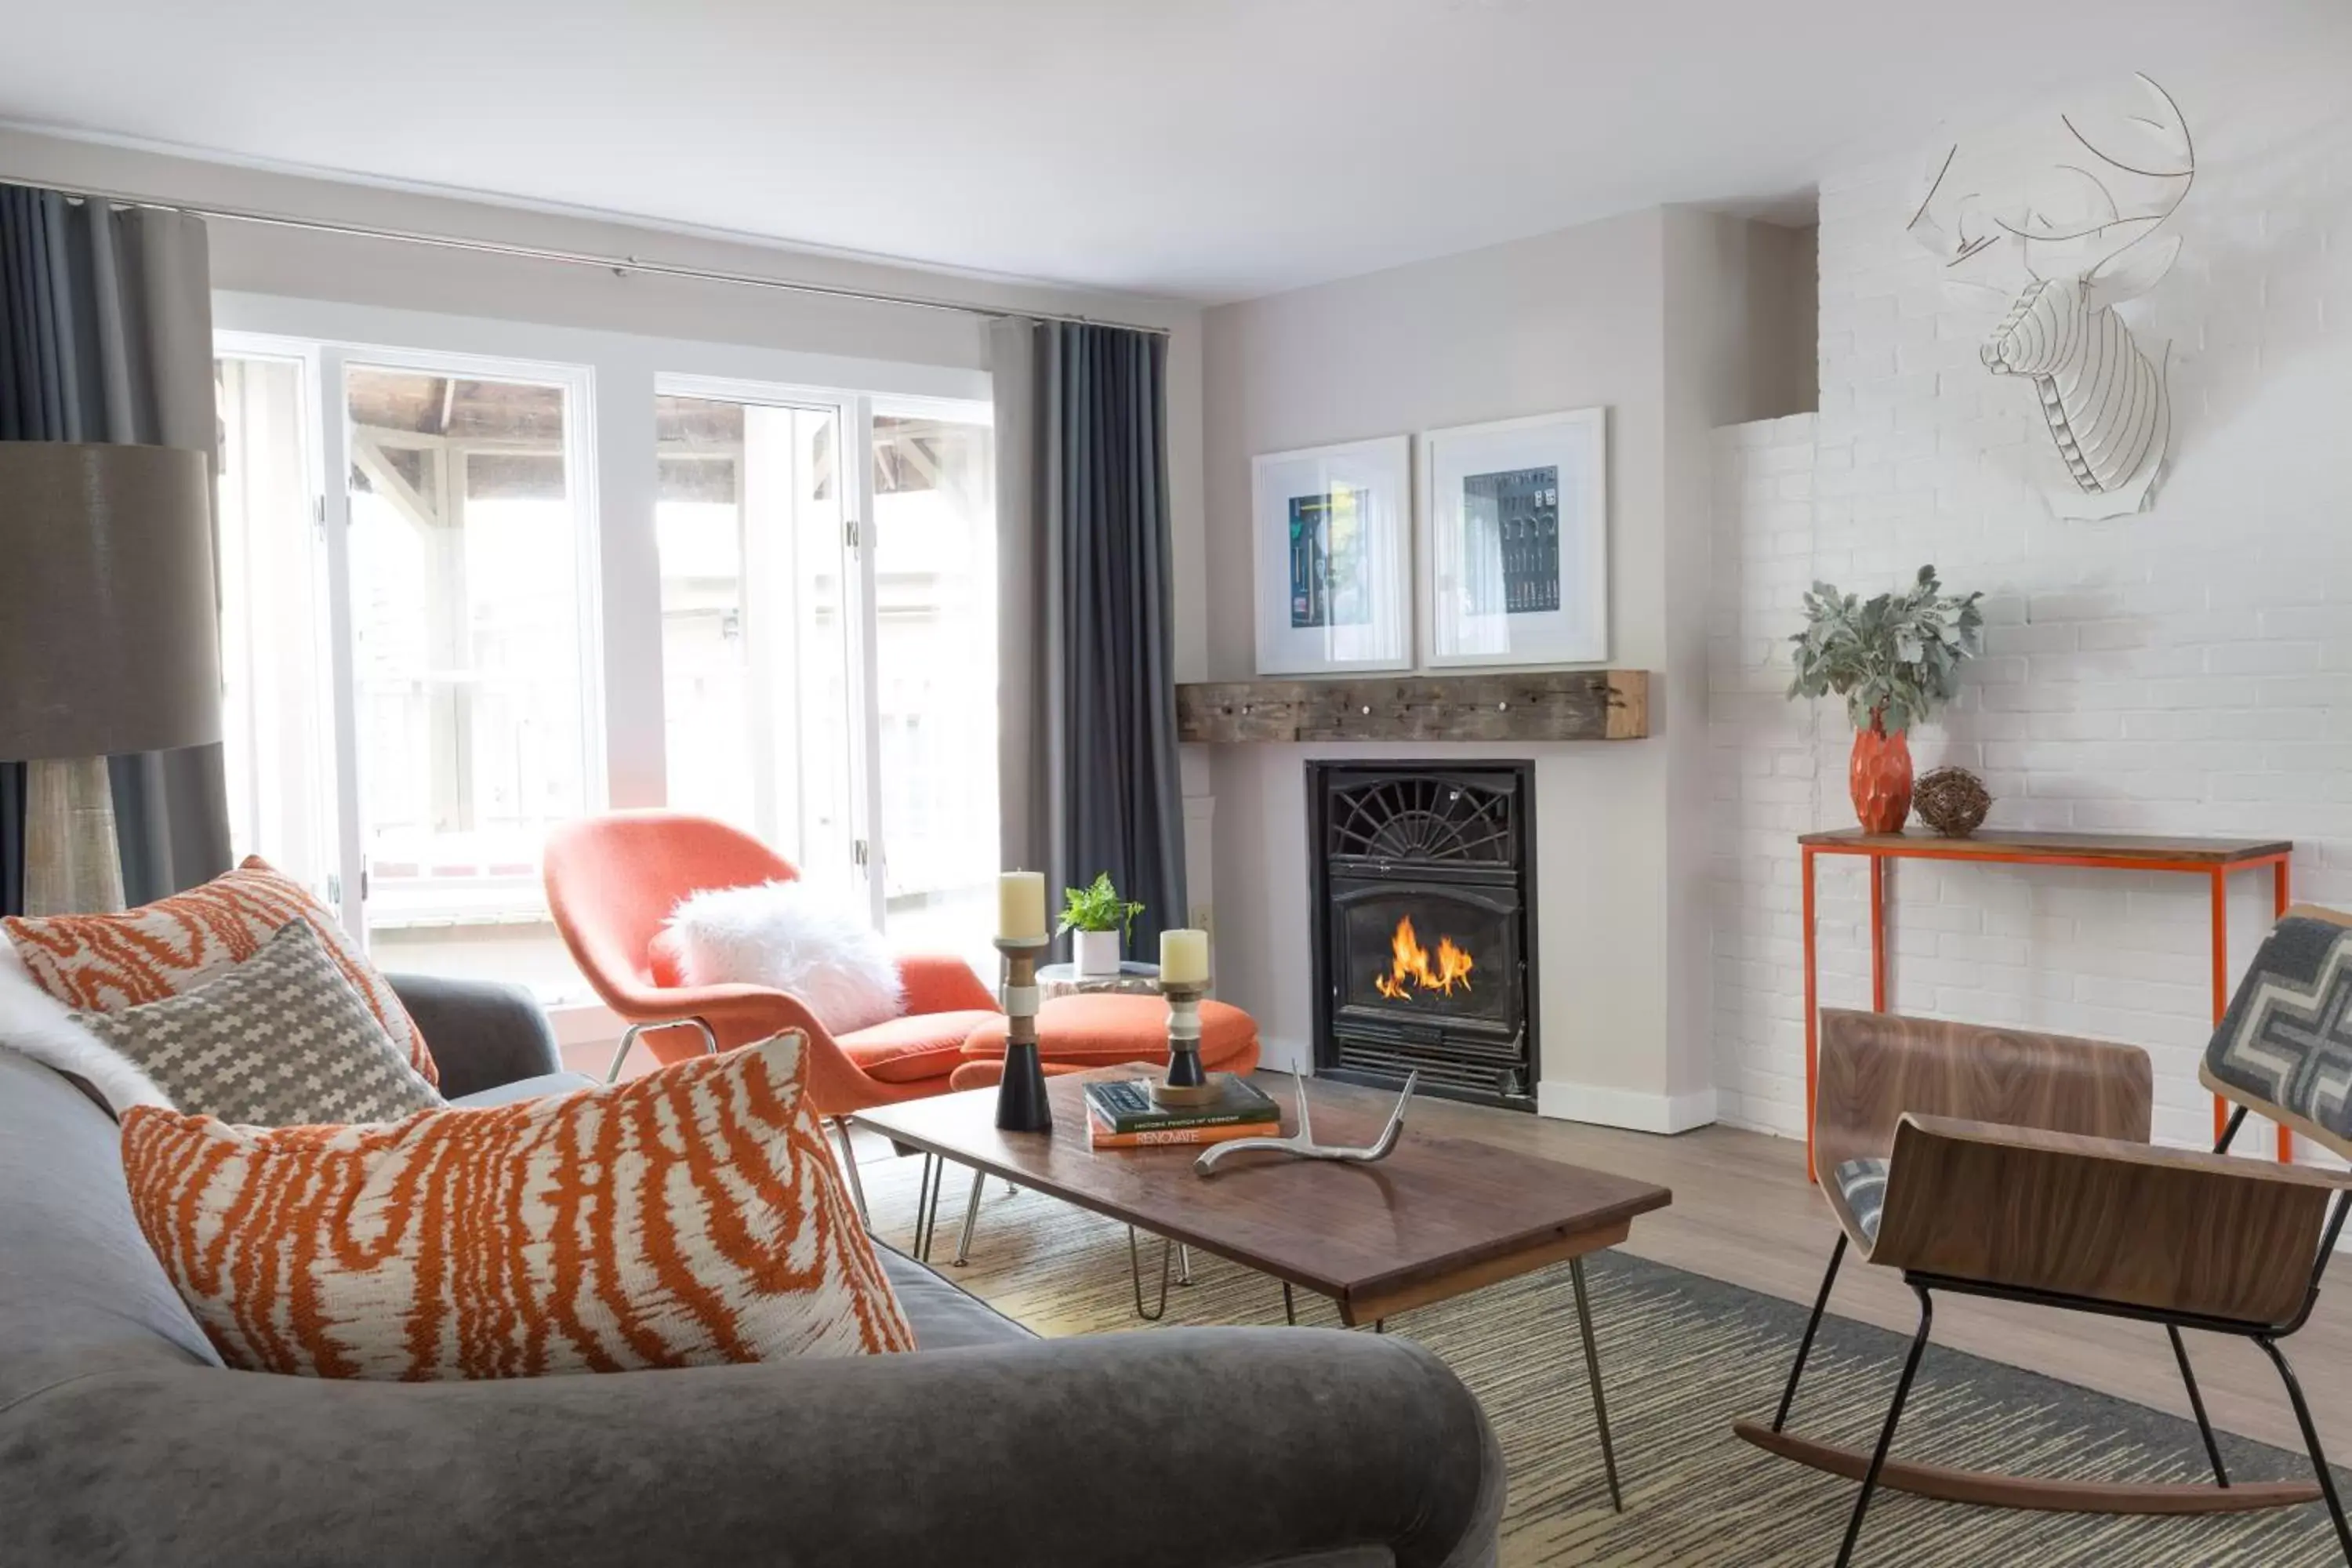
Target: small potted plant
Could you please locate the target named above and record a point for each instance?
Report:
(1102, 922)
(1894, 659)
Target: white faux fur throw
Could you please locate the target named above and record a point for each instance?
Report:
(35, 1024)
(783, 936)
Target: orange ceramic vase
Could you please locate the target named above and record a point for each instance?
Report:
(1880, 777)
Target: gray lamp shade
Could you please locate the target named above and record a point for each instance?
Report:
(110, 639)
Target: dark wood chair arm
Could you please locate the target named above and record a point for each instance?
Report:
(2113, 1220)
(1876, 1066)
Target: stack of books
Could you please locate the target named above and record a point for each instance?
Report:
(1121, 1114)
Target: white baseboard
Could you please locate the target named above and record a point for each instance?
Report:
(1625, 1108)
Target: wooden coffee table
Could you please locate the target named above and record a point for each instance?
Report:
(1439, 1217)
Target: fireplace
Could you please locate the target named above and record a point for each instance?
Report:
(1424, 935)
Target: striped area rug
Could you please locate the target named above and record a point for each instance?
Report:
(1681, 1356)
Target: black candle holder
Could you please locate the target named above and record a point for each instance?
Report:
(1021, 1102)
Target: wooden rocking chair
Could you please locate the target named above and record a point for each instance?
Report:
(1991, 1162)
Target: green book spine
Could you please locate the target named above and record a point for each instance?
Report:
(1128, 1107)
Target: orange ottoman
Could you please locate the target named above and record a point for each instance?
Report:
(1104, 1028)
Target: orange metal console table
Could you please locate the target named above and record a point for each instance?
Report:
(2212, 858)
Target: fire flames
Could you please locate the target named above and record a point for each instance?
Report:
(1410, 967)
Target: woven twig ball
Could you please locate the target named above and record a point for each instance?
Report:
(1952, 801)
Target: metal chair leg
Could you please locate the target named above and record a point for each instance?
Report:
(1812, 1324)
(970, 1218)
(849, 1169)
(1184, 1264)
(1135, 1275)
(629, 1041)
(1887, 1432)
(1289, 1306)
(2196, 1403)
(2311, 1442)
(1592, 1376)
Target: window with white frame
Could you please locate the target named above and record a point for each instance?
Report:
(414, 631)
(410, 670)
(829, 640)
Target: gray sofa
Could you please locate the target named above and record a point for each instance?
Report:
(124, 1439)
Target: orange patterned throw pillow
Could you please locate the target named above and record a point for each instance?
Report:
(688, 1217)
(103, 964)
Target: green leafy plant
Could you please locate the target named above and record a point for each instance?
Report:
(1098, 906)
(1894, 658)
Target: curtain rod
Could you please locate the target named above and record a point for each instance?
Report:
(622, 265)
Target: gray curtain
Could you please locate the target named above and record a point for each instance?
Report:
(1088, 771)
(106, 334)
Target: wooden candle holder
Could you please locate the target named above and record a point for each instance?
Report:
(1021, 1102)
(1187, 1083)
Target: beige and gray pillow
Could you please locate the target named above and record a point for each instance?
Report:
(279, 1040)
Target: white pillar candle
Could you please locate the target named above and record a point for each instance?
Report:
(1021, 906)
(1183, 957)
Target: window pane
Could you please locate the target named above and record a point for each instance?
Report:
(754, 636)
(278, 739)
(935, 567)
(468, 646)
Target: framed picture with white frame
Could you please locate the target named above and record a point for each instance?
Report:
(1334, 557)
(1515, 542)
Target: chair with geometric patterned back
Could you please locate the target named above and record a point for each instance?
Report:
(2015, 1165)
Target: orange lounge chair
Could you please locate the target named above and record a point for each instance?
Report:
(611, 882)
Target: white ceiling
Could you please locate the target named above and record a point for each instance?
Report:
(1202, 148)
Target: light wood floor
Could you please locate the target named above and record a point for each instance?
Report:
(1743, 1211)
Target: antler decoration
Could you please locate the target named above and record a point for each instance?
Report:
(1302, 1144)
(2103, 396)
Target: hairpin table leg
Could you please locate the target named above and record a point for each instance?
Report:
(926, 1204)
(1592, 1374)
(1135, 1274)
(849, 1169)
(970, 1217)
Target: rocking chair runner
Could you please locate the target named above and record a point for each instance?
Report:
(2049, 1192)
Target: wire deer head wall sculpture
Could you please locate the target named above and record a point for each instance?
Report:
(2079, 218)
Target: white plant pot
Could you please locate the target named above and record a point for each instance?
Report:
(1094, 951)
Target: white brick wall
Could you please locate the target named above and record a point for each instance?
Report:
(2186, 670)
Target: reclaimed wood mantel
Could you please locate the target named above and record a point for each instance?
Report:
(1534, 705)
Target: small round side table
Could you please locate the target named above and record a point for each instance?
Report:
(1135, 978)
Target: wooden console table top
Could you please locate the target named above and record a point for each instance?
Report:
(2105, 848)
(1438, 1218)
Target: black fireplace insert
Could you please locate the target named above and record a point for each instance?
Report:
(1424, 934)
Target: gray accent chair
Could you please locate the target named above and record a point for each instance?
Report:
(125, 1441)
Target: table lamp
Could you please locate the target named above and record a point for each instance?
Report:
(110, 642)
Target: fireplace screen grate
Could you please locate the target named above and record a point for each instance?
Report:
(1423, 817)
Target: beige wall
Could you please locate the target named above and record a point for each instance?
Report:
(1662, 316)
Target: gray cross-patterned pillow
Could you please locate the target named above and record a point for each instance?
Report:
(2287, 1041)
(279, 1040)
